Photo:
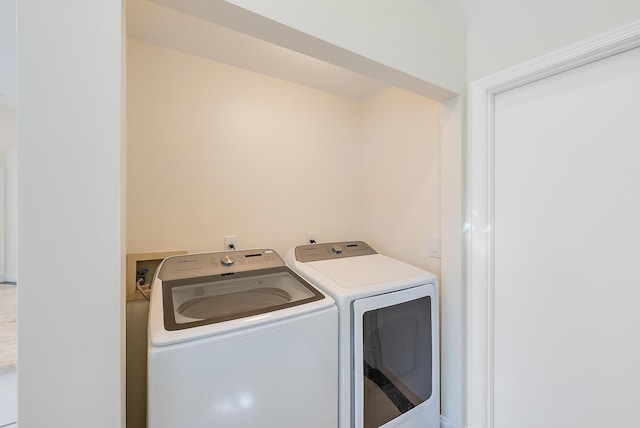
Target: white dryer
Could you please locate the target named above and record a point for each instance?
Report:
(389, 334)
(238, 340)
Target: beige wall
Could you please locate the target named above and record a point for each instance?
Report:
(215, 150)
(400, 159)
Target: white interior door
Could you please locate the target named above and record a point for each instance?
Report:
(567, 247)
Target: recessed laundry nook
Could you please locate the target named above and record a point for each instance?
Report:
(228, 134)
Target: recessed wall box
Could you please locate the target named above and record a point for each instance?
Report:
(139, 262)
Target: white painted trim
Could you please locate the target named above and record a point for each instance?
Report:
(572, 56)
(480, 198)
(444, 423)
(11, 277)
(451, 268)
(8, 398)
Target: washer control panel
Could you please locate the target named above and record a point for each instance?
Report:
(332, 250)
(218, 263)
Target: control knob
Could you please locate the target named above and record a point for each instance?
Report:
(227, 260)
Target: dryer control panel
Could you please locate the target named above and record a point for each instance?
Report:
(332, 251)
(223, 262)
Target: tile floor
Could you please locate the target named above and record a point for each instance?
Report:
(8, 333)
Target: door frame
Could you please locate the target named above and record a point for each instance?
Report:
(479, 325)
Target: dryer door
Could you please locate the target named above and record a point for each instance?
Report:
(395, 356)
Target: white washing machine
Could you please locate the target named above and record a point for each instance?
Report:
(238, 340)
(389, 334)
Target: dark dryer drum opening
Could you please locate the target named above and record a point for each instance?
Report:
(238, 302)
(397, 350)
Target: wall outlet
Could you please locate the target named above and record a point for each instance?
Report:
(434, 248)
(311, 237)
(230, 242)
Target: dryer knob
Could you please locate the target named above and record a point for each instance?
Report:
(337, 249)
(227, 260)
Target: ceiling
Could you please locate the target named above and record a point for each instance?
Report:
(166, 27)
(156, 24)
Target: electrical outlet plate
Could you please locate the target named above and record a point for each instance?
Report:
(434, 248)
(229, 241)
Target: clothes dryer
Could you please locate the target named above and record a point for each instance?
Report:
(238, 340)
(389, 334)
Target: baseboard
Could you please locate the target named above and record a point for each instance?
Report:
(10, 277)
(8, 399)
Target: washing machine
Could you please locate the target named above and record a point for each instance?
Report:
(389, 334)
(238, 340)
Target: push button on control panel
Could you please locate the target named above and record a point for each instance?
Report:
(337, 249)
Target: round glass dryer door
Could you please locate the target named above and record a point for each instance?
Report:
(193, 302)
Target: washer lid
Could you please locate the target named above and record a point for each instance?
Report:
(193, 302)
(210, 288)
